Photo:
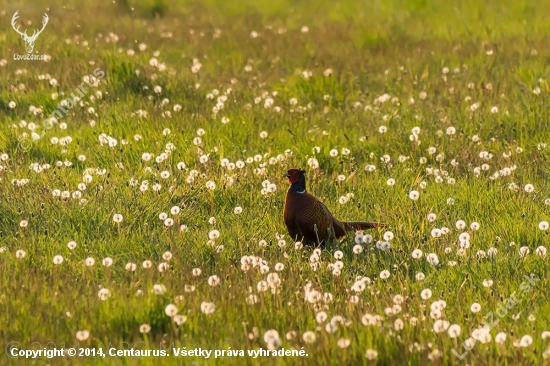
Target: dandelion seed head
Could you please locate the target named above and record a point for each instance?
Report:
(171, 310)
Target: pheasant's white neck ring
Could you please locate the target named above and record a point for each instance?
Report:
(302, 191)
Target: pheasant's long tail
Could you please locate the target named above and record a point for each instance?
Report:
(362, 225)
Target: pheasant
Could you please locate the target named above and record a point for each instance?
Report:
(308, 219)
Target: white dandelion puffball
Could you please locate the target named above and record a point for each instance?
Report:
(523, 251)
(82, 335)
(344, 342)
(213, 280)
(371, 354)
(543, 225)
(158, 289)
(454, 330)
(500, 338)
(171, 310)
(163, 267)
(179, 319)
(475, 307)
(426, 293)
(367, 239)
(309, 337)
(104, 294)
(432, 259)
(214, 234)
(414, 195)
(440, 325)
(436, 233)
(460, 224)
(526, 341)
(464, 240)
(208, 307)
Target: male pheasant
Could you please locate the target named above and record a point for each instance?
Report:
(308, 219)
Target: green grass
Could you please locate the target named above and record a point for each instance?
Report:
(496, 54)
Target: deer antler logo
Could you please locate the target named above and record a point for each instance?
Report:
(29, 40)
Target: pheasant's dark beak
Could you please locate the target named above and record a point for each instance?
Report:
(286, 175)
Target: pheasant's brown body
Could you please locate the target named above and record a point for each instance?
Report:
(309, 220)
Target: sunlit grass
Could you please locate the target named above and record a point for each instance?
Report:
(269, 86)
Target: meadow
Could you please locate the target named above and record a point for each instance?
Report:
(148, 213)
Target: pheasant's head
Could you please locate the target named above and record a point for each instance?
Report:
(294, 175)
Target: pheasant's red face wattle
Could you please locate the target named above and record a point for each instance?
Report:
(294, 174)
